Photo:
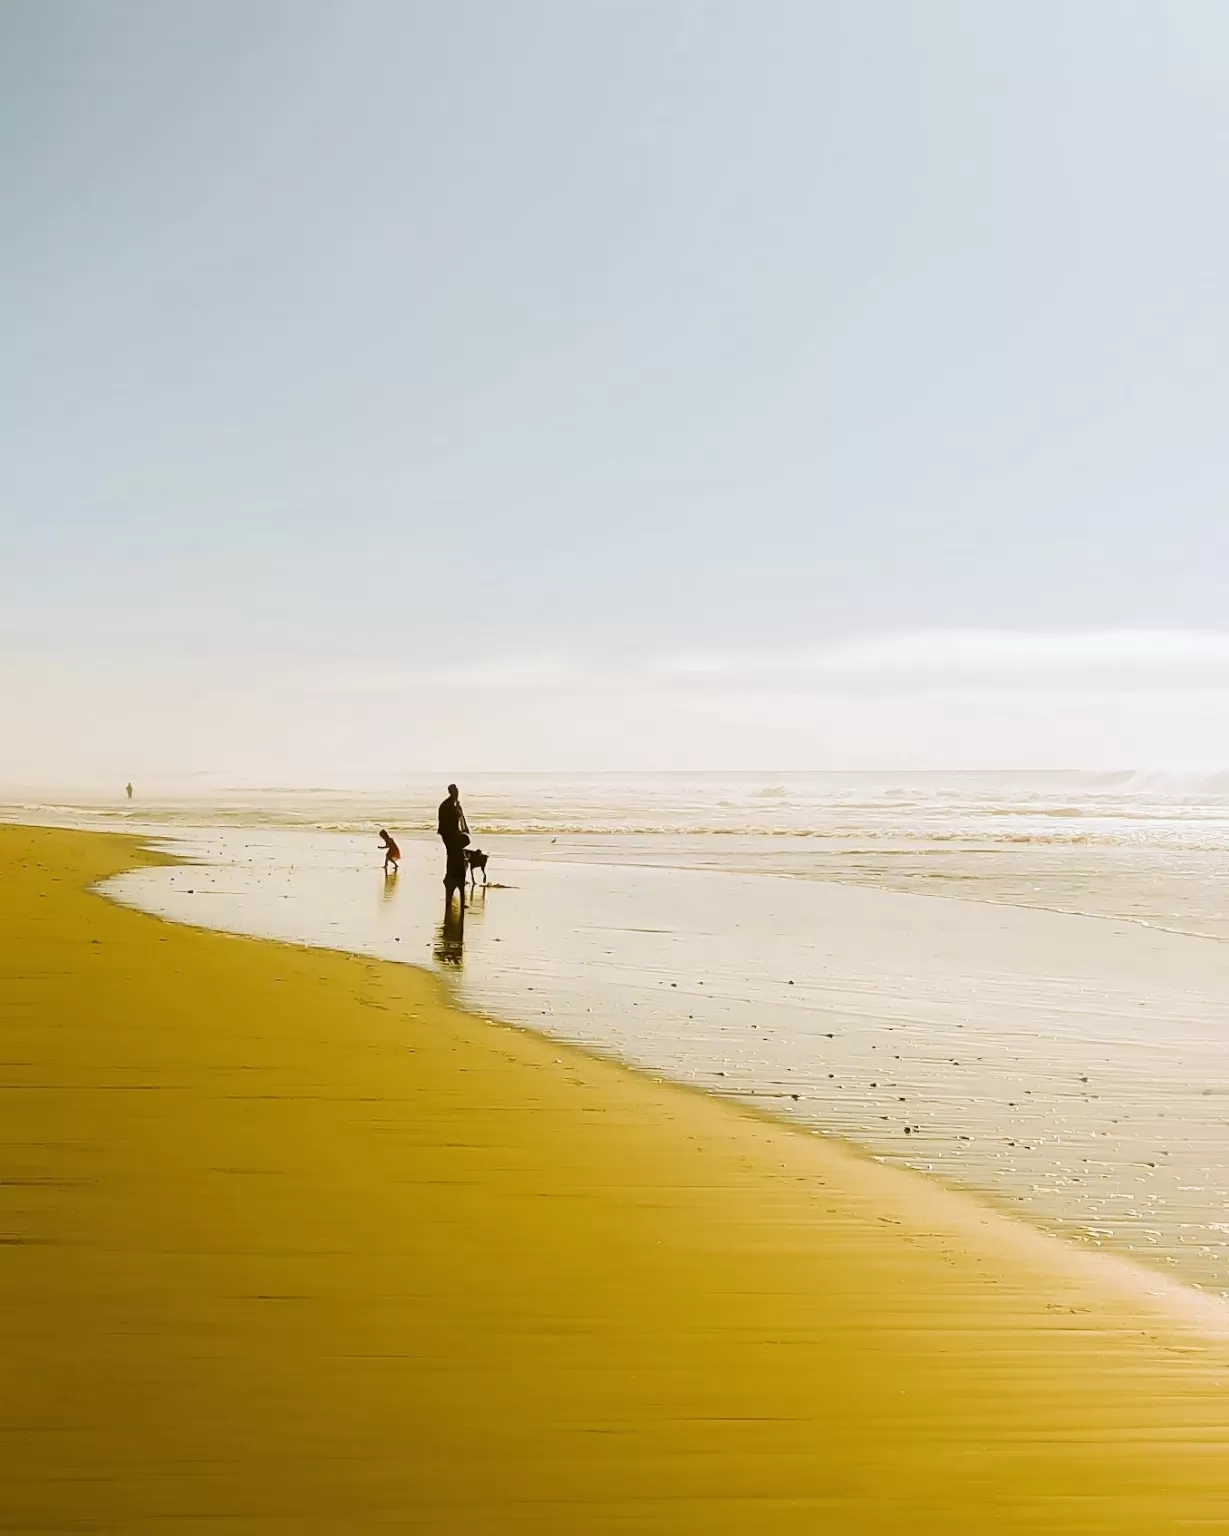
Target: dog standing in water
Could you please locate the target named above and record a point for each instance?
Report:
(392, 854)
(476, 860)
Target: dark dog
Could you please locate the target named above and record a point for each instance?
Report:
(476, 860)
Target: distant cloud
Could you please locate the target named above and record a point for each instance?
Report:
(983, 650)
(515, 672)
(938, 699)
(976, 654)
(1117, 658)
(494, 672)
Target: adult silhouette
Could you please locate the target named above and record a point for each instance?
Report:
(454, 833)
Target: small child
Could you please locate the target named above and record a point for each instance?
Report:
(392, 854)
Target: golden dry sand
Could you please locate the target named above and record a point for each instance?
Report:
(289, 1244)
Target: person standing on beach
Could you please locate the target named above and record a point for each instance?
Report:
(392, 854)
(128, 787)
(454, 832)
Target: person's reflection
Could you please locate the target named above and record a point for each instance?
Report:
(450, 935)
(390, 883)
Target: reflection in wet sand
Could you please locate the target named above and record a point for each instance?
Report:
(450, 935)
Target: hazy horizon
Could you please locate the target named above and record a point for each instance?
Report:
(627, 386)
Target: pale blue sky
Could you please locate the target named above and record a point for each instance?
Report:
(596, 334)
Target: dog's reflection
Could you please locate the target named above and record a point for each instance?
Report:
(450, 935)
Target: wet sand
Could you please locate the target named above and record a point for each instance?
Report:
(1071, 1069)
(287, 1243)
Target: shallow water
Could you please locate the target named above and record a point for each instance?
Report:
(1152, 848)
(1073, 1067)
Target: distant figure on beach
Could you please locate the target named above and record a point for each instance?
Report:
(128, 787)
(392, 854)
(454, 832)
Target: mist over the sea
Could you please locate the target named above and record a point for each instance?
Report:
(1140, 700)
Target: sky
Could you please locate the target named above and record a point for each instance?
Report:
(613, 385)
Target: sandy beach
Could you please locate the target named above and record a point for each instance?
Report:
(289, 1243)
(1071, 1067)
